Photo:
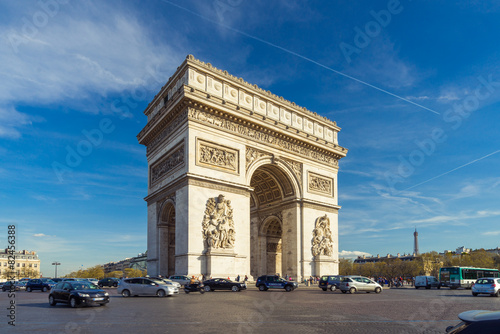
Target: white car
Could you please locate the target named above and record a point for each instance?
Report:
(145, 286)
(487, 285)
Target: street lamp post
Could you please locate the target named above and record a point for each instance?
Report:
(56, 264)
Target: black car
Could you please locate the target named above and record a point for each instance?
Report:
(476, 321)
(108, 281)
(10, 286)
(37, 284)
(78, 294)
(275, 282)
(331, 282)
(223, 284)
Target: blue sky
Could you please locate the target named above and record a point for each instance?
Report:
(414, 85)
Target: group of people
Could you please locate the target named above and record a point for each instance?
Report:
(395, 282)
(311, 280)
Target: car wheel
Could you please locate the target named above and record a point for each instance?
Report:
(288, 288)
(52, 301)
(207, 288)
(497, 294)
(416, 287)
(160, 293)
(324, 289)
(333, 288)
(72, 302)
(352, 290)
(103, 304)
(235, 288)
(378, 290)
(44, 289)
(115, 284)
(262, 287)
(186, 291)
(28, 289)
(439, 287)
(126, 293)
(474, 294)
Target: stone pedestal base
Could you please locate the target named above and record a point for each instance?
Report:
(220, 263)
(325, 265)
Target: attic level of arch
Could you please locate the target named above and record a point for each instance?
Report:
(168, 121)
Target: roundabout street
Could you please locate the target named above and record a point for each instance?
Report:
(305, 310)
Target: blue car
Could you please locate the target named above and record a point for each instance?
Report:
(275, 282)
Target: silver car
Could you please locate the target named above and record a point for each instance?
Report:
(168, 282)
(487, 285)
(359, 283)
(144, 286)
(181, 279)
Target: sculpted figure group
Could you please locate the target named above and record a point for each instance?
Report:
(218, 225)
(322, 243)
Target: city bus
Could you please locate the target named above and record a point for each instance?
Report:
(463, 277)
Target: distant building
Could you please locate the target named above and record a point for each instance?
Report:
(389, 257)
(405, 257)
(138, 262)
(462, 250)
(27, 264)
(493, 251)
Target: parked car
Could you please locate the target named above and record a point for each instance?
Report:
(331, 282)
(490, 286)
(77, 293)
(223, 284)
(146, 287)
(477, 321)
(57, 280)
(12, 286)
(427, 282)
(37, 284)
(181, 279)
(108, 281)
(275, 282)
(354, 284)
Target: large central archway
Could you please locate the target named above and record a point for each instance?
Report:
(272, 234)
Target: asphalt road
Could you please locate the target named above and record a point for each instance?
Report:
(305, 310)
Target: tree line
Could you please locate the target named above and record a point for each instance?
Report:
(98, 272)
(424, 264)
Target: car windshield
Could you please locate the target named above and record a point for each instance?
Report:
(84, 286)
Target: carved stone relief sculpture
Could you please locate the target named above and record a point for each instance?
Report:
(218, 225)
(322, 242)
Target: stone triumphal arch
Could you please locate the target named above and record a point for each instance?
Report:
(241, 181)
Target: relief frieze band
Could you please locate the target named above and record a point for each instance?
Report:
(260, 136)
(173, 159)
(217, 156)
(320, 184)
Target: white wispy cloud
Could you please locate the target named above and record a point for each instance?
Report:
(85, 50)
(352, 254)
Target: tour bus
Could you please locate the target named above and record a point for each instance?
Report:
(463, 277)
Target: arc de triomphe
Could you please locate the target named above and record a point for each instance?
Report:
(241, 181)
